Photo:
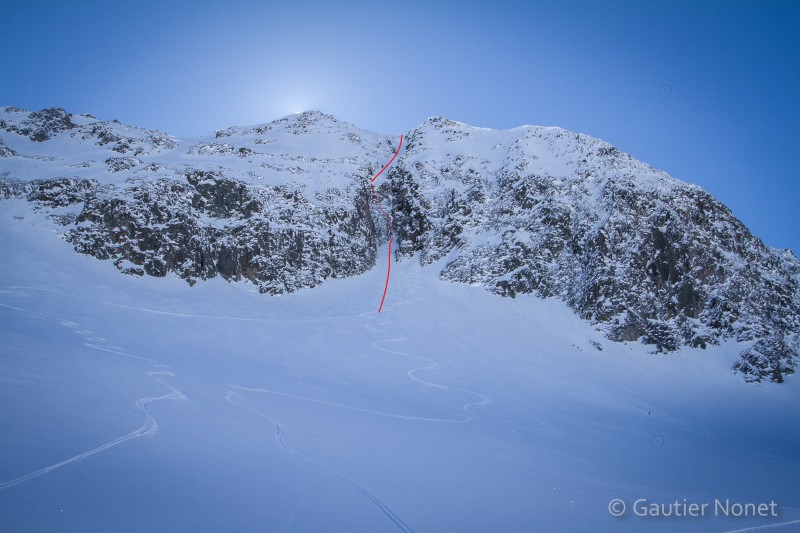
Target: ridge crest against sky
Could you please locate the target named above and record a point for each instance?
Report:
(702, 90)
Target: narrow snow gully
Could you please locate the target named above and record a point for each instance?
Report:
(388, 221)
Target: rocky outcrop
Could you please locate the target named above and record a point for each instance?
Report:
(39, 126)
(640, 254)
(5, 151)
(209, 225)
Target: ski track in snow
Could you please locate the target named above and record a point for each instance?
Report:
(280, 430)
(148, 428)
(299, 505)
(150, 425)
(768, 526)
(184, 315)
(359, 409)
(430, 365)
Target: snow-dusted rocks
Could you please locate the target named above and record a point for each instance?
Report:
(38, 126)
(284, 218)
(538, 210)
(559, 214)
(207, 225)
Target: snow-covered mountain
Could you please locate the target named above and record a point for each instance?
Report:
(140, 403)
(283, 205)
(559, 214)
(287, 205)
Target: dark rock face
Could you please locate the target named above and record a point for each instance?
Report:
(208, 225)
(124, 139)
(57, 192)
(41, 125)
(409, 213)
(5, 151)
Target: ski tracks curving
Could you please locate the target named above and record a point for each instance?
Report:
(150, 425)
(280, 431)
(429, 364)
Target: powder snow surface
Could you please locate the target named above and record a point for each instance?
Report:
(143, 404)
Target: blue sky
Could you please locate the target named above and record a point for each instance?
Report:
(706, 91)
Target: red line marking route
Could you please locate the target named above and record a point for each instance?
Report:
(388, 220)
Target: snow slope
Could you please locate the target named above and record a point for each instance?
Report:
(143, 404)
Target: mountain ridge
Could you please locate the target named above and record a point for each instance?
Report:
(542, 210)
